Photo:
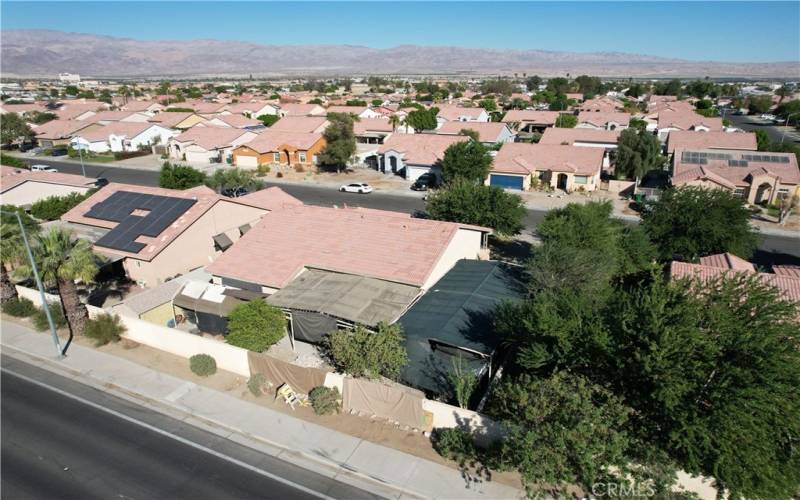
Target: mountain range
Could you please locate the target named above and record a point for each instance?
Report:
(44, 53)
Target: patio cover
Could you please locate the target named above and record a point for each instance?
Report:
(367, 301)
(456, 316)
(206, 298)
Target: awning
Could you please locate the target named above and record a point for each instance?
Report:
(367, 301)
(206, 298)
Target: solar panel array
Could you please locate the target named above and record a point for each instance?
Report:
(766, 158)
(119, 207)
(737, 163)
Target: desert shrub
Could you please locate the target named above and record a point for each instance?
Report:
(203, 365)
(279, 175)
(40, 318)
(263, 169)
(255, 325)
(19, 307)
(105, 328)
(362, 353)
(454, 444)
(124, 155)
(256, 384)
(324, 400)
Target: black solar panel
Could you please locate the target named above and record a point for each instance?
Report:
(119, 207)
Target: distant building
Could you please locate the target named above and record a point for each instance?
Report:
(69, 78)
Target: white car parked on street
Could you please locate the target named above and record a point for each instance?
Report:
(356, 187)
(43, 168)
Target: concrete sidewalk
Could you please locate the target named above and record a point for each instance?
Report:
(382, 470)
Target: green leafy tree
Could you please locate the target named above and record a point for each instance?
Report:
(232, 178)
(533, 82)
(71, 90)
(53, 207)
(467, 202)
(561, 431)
(467, 160)
(489, 104)
(637, 154)
(638, 125)
(13, 128)
(175, 176)
(40, 117)
(566, 121)
(362, 353)
(759, 104)
(691, 222)
(255, 325)
(268, 120)
(789, 111)
(340, 141)
(356, 102)
(763, 141)
(63, 260)
(558, 85)
(422, 119)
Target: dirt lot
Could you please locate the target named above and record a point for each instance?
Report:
(372, 430)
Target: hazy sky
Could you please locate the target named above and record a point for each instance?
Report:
(721, 31)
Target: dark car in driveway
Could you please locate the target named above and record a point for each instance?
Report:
(59, 152)
(425, 182)
(234, 192)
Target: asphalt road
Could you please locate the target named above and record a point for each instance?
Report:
(774, 249)
(54, 446)
(753, 123)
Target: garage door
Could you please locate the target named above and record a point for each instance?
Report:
(506, 181)
(246, 161)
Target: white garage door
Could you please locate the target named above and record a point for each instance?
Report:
(246, 161)
(197, 157)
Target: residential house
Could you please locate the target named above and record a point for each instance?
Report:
(204, 145)
(359, 111)
(785, 278)
(290, 241)
(160, 233)
(301, 124)
(122, 136)
(600, 104)
(603, 120)
(179, 120)
(232, 121)
(577, 96)
(691, 140)
(489, 133)
(669, 121)
(150, 108)
(757, 177)
(254, 109)
(528, 121)
(106, 117)
(273, 147)
(372, 130)
(584, 137)
(22, 188)
(297, 109)
(450, 113)
(570, 168)
(414, 155)
(60, 132)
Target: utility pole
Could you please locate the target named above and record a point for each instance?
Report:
(786, 125)
(39, 285)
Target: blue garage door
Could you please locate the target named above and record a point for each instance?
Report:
(506, 181)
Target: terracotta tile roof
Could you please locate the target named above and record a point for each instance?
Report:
(720, 170)
(789, 286)
(297, 109)
(787, 270)
(111, 116)
(686, 120)
(524, 158)
(206, 198)
(602, 118)
(127, 129)
(246, 107)
(13, 177)
(210, 138)
(689, 139)
(238, 121)
(727, 261)
(356, 110)
(272, 198)
(22, 108)
(60, 129)
(601, 104)
(531, 116)
(140, 105)
(275, 140)
(202, 107)
(553, 135)
(170, 119)
(348, 240)
(487, 131)
(454, 113)
(72, 109)
(366, 125)
(420, 149)
(302, 124)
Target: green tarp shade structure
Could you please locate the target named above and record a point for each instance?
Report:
(454, 318)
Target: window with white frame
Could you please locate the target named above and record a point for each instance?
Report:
(302, 156)
(580, 179)
(783, 193)
(276, 157)
(739, 192)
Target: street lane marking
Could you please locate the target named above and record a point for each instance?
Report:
(170, 435)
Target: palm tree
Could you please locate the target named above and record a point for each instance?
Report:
(63, 260)
(394, 121)
(12, 249)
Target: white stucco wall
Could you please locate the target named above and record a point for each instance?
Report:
(466, 244)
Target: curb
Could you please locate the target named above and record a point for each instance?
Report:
(211, 425)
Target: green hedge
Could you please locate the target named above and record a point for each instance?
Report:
(19, 307)
(124, 155)
(11, 161)
(203, 365)
(53, 207)
(255, 325)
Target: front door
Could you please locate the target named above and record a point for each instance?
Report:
(562, 181)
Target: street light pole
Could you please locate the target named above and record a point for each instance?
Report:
(786, 125)
(39, 285)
